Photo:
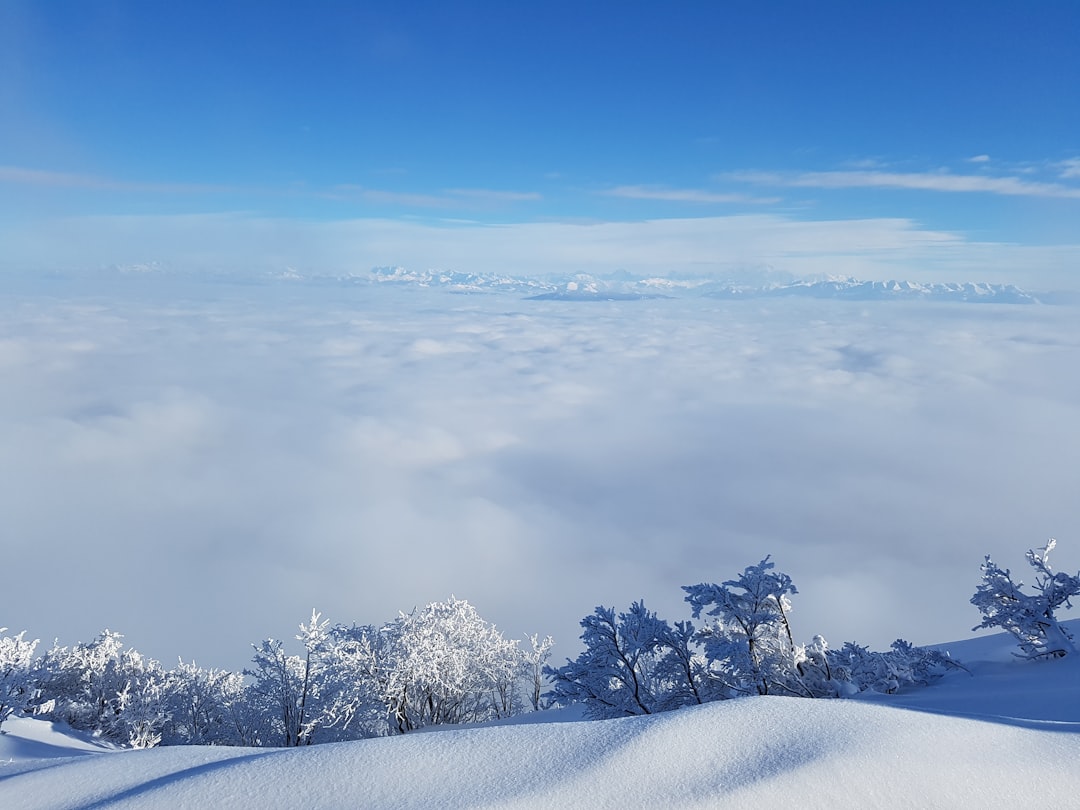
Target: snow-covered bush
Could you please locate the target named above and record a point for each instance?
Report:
(633, 663)
(290, 686)
(750, 647)
(104, 688)
(351, 705)
(206, 707)
(140, 708)
(444, 664)
(1029, 617)
(439, 665)
(17, 685)
(636, 663)
(855, 669)
(535, 661)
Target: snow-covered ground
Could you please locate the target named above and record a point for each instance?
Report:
(1006, 735)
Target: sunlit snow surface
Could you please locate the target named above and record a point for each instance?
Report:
(1016, 741)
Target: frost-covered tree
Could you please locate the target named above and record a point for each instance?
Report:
(103, 687)
(17, 684)
(444, 664)
(634, 663)
(853, 669)
(351, 704)
(290, 685)
(748, 643)
(140, 708)
(277, 681)
(535, 660)
(751, 650)
(79, 683)
(682, 669)
(1030, 617)
(207, 707)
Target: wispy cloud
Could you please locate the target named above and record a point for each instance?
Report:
(345, 191)
(494, 195)
(687, 195)
(919, 181)
(979, 159)
(1070, 168)
(20, 175)
(446, 198)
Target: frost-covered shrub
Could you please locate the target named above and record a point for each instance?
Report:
(351, 705)
(207, 707)
(633, 663)
(288, 689)
(535, 663)
(17, 684)
(855, 669)
(750, 648)
(636, 663)
(104, 688)
(1030, 617)
(444, 664)
(748, 643)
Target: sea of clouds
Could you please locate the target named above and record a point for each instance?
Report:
(198, 465)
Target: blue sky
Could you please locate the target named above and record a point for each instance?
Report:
(958, 123)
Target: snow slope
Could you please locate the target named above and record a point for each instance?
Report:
(1008, 735)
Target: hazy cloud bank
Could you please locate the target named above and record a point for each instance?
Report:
(202, 470)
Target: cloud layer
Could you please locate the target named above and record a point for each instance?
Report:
(199, 471)
(919, 181)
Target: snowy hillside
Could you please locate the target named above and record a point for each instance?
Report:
(1007, 735)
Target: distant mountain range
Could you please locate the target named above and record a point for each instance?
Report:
(852, 290)
(623, 286)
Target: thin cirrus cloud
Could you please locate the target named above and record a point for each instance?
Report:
(21, 175)
(686, 195)
(918, 181)
(1070, 168)
(447, 198)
